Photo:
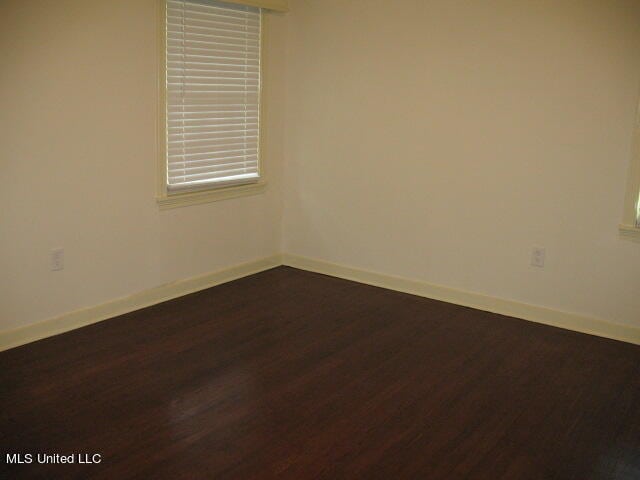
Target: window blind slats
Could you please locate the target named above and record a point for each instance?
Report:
(186, 161)
(204, 168)
(199, 89)
(203, 46)
(231, 57)
(222, 175)
(201, 111)
(218, 64)
(226, 142)
(199, 49)
(215, 128)
(190, 134)
(214, 145)
(202, 64)
(230, 99)
(212, 6)
(175, 133)
(215, 149)
(212, 156)
(179, 34)
(221, 78)
(207, 27)
(201, 131)
(213, 93)
(194, 119)
(213, 30)
(201, 168)
(221, 71)
(226, 17)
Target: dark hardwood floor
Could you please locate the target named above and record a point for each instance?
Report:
(289, 374)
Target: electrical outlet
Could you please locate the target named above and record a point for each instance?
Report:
(57, 259)
(538, 257)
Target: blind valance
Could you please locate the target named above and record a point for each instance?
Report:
(277, 5)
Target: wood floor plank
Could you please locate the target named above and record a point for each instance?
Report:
(291, 374)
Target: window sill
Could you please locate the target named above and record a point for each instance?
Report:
(630, 231)
(195, 198)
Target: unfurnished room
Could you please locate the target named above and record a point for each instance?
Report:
(320, 239)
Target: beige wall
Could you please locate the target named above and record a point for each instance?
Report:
(441, 140)
(78, 165)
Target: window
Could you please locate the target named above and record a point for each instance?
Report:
(631, 220)
(211, 98)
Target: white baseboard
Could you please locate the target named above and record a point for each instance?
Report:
(569, 321)
(120, 306)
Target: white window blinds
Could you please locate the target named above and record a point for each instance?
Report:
(213, 93)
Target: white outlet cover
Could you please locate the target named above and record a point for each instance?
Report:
(57, 259)
(538, 257)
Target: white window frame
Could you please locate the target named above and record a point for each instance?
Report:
(164, 197)
(631, 218)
